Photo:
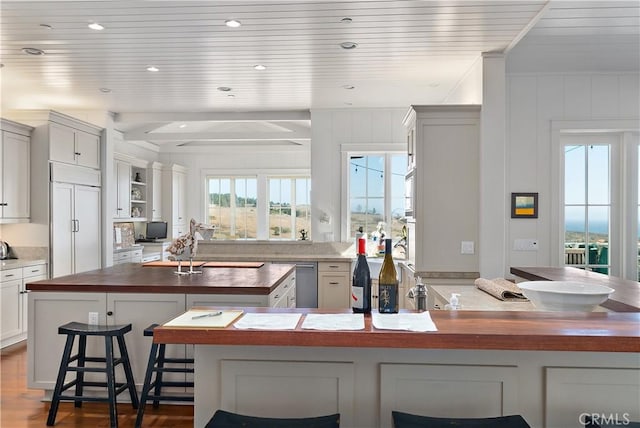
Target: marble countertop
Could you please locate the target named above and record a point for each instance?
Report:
(20, 263)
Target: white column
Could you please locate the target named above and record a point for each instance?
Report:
(493, 190)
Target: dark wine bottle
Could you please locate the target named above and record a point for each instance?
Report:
(388, 283)
(361, 283)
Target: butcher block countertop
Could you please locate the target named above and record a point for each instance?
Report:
(625, 298)
(136, 278)
(499, 330)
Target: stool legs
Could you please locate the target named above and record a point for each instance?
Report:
(147, 384)
(82, 350)
(62, 373)
(159, 374)
(111, 382)
(128, 372)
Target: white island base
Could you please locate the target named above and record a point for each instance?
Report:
(548, 388)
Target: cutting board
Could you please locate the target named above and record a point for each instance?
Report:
(218, 321)
(172, 264)
(234, 264)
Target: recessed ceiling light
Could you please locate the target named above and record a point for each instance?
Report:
(346, 20)
(348, 87)
(105, 90)
(348, 45)
(46, 26)
(259, 67)
(230, 96)
(348, 104)
(32, 51)
(152, 68)
(224, 88)
(96, 26)
(233, 23)
(434, 85)
(183, 125)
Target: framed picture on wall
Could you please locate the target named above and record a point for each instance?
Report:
(524, 205)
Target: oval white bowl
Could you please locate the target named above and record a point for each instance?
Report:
(565, 295)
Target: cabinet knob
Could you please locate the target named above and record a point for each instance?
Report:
(110, 313)
(77, 153)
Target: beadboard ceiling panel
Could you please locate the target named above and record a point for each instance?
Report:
(408, 52)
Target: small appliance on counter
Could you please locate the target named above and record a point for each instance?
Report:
(5, 251)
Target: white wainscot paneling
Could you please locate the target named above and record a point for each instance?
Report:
(286, 389)
(608, 393)
(459, 391)
(629, 101)
(577, 96)
(605, 100)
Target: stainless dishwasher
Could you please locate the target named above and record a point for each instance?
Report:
(306, 284)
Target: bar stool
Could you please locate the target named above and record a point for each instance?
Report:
(114, 388)
(156, 364)
(224, 419)
(407, 420)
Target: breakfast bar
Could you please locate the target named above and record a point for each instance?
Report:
(548, 367)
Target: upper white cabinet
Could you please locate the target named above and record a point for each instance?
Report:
(74, 146)
(156, 191)
(175, 198)
(130, 178)
(15, 173)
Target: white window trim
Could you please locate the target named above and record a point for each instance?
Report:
(625, 262)
(261, 175)
(346, 151)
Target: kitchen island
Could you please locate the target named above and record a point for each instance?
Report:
(140, 295)
(548, 367)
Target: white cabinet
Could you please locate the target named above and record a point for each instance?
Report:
(75, 226)
(156, 191)
(14, 175)
(446, 141)
(334, 285)
(139, 192)
(129, 255)
(74, 146)
(14, 303)
(174, 199)
(122, 172)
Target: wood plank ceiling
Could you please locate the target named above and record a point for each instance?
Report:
(408, 52)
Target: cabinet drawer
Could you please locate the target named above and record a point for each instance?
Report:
(37, 270)
(9, 274)
(122, 257)
(334, 266)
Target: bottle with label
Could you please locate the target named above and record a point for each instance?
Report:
(361, 283)
(388, 283)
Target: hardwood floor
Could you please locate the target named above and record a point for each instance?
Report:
(22, 407)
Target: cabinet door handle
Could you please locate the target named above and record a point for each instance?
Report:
(77, 225)
(334, 283)
(4, 204)
(9, 274)
(77, 153)
(110, 313)
(276, 296)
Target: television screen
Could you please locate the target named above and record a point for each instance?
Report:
(156, 230)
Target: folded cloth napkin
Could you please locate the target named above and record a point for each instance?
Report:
(500, 288)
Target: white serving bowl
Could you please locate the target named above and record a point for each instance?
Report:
(565, 295)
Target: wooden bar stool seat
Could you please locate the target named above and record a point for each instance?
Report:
(407, 420)
(110, 361)
(157, 364)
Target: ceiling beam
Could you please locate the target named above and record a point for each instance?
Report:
(538, 16)
(165, 117)
(218, 136)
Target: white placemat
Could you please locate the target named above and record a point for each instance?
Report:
(268, 321)
(333, 322)
(403, 321)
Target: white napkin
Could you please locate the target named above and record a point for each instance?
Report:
(403, 321)
(268, 321)
(334, 322)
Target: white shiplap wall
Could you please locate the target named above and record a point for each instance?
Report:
(533, 102)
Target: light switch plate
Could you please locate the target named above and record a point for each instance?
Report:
(93, 318)
(529, 244)
(467, 247)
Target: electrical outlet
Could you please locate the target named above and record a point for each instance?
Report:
(93, 318)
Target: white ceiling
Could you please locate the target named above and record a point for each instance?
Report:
(409, 52)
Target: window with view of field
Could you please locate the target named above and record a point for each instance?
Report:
(232, 207)
(376, 193)
(259, 207)
(289, 207)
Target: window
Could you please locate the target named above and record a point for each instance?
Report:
(231, 207)
(587, 204)
(289, 207)
(258, 207)
(376, 193)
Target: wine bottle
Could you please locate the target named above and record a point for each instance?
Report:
(361, 282)
(388, 283)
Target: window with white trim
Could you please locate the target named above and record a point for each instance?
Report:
(231, 207)
(289, 207)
